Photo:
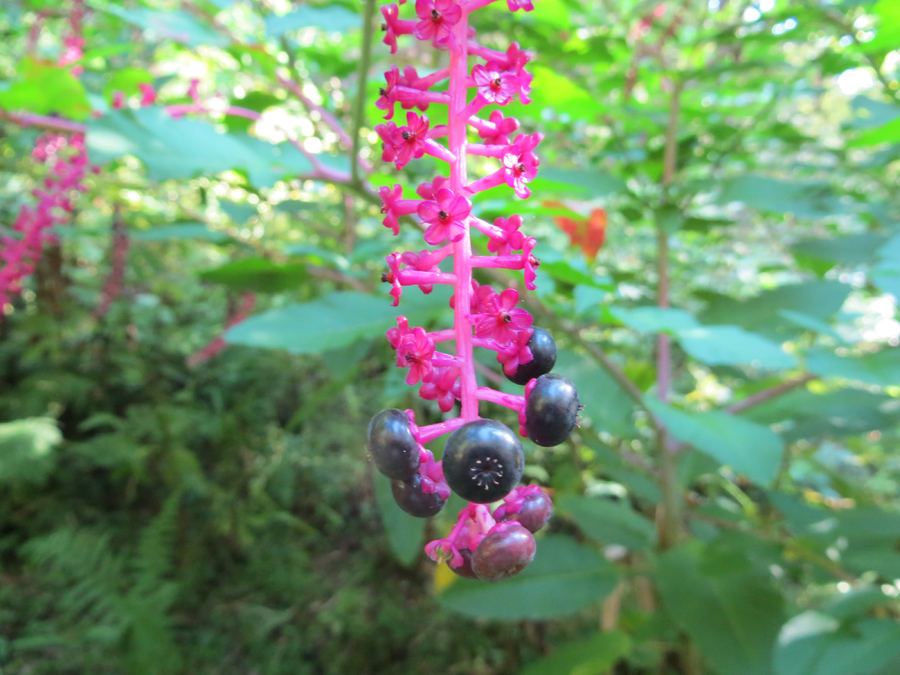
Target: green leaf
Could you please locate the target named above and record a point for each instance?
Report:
(732, 615)
(606, 407)
(759, 314)
(776, 195)
(731, 345)
(239, 213)
(881, 368)
(655, 319)
(46, 90)
(258, 274)
(404, 532)
(564, 271)
(812, 644)
(583, 182)
(748, 448)
(609, 522)
(332, 321)
(26, 447)
(173, 25)
(564, 578)
(333, 19)
(857, 249)
(588, 656)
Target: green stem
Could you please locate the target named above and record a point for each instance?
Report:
(365, 60)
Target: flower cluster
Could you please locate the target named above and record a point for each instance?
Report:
(67, 161)
(482, 459)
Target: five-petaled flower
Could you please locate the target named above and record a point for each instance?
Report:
(446, 216)
(409, 141)
(502, 128)
(495, 85)
(395, 335)
(428, 190)
(443, 387)
(414, 352)
(500, 318)
(392, 277)
(520, 163)
(515, 352)
(511, 239)
(437, 20)
(421, 262)
(530, 263)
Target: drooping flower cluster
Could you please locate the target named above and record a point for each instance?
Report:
(483, 459)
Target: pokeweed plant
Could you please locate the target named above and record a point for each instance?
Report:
(483, 459)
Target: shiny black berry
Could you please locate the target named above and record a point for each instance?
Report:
(534, 514)
(503, 554)
(465, 570)
(483, 461)
(409, 497)
(552, 410)
(543, 349)
(391, 443)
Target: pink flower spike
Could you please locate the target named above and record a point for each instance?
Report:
(511, 239)
(494, 84)
(415, 352)
(410, 141)
(395, 335)
(446, 217)
(530, 263)
(393, 277)
(437, 20)
(444, 387)
(501, 319)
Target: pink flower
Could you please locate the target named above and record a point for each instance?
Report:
(432, 475)
(503, 127)
(517, 59)
(395, 335)
(437, 20)
(519, 4)
(495, 85)
(386, 134)
(520, 163)
(389, 199)
(427, 190)
(118, 101)
(511, 239)
(409, 141)
(501, 319)
(516, 352)
(148, 94)
(193, 91)
(444, 387)
(414, 352)
(422, 263)
(530, 263)
(386, 99)
(391, 14)
(446, 216)
(393, 277)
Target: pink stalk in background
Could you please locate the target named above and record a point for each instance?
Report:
(479, 453)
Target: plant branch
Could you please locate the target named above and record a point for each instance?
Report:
(365, 61)
(769, 394)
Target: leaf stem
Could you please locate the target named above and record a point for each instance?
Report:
(365, 61)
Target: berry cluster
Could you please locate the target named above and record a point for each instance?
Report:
(483, 459)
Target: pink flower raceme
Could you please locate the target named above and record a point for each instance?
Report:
(500, 318)
(437, 20)
(446, 216)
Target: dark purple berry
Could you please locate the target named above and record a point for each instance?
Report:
(483, 461)
(503, 554)
(534, 514)
(465, 570)
(409, 497)
(391, 443)
(552, 410)
(543, 349)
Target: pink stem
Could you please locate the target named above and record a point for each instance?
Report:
(415, 277)
(486, 228)
(485, 53)
(486, 343)
(430, 80)
(439, 131)
(480, 124)
(405, 94)
(505, 262)
(438, 151)
(472, 5)
(511, 401)
(442, 335)
(477, 104)
(433, 431)
(463, 247)
(438, 254)
(443, 360)
(488, 182)
(487, 150)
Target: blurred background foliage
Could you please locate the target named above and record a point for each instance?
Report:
(168, 505)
